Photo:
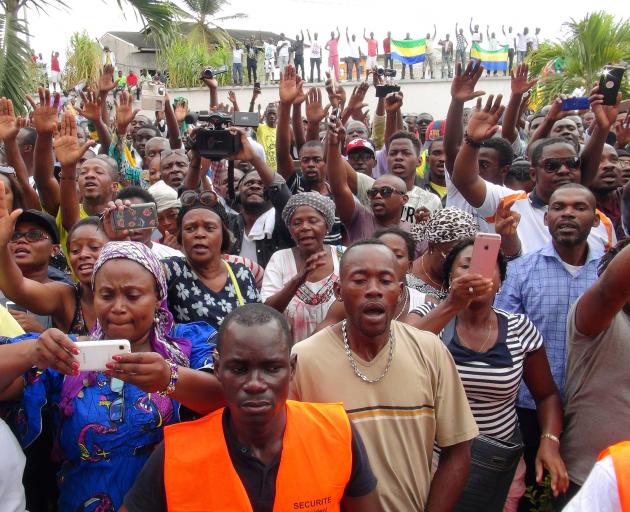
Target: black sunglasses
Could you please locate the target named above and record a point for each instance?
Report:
(35, 235)
(552, 165)
(384, 192)
(206, 198)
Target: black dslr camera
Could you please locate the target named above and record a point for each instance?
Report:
(214, 141)
(389, 86)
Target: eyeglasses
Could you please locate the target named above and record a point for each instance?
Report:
(551, 165)
(206, 198)
(384, 192)
(35, 235)
(167, 152)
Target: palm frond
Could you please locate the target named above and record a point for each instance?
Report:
(205, 8)
(237, 16)
(157, 16)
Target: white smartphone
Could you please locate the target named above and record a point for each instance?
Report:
(484, 256)
(94, 355)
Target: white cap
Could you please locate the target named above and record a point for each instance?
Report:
(165, 196)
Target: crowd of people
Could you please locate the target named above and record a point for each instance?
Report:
(305, 329)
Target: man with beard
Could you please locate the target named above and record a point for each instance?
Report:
(259, 228)
(437, 180)
(607, 188)
(312, 174)
(398, 383)
(544, 284)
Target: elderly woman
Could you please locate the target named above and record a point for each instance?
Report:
(107, 423)
(441, 230)
(203, 286)
(299, 281)
(493, 350)
(71, 307)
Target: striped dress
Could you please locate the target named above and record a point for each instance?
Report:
(491, 379)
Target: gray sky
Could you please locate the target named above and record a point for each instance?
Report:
(53, 31)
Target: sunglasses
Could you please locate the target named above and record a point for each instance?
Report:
(384, 192)
(206, 198)
(551, 165)
(35, 235)
(167, 152)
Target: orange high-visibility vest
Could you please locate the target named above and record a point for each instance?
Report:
(315, 464)
(620, 454)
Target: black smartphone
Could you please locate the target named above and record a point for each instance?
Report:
(610, 82)
(384, 90)
(136, 216)
(256, 85)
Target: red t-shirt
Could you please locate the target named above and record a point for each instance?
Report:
(132, 80)
(54, 64)
(332, 47)
(387, 48)
(372, 46)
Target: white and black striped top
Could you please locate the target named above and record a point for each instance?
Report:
(491, 379)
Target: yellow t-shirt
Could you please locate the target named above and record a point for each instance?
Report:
(63, 234)
(8, 325)
(439, 189)
(266, 136)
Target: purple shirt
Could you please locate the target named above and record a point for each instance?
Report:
(364, 224)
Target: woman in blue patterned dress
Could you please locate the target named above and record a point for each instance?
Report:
(107, 423)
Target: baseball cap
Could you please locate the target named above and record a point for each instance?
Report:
(360, 144)
(42, 219)
(436, 129)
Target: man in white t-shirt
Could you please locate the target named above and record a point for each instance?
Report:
(554, 162)
(283, 52)
(508, 40)
(354, 55)
(316, 55)
(522, 40)
(270, 57)
(429, 54)
(237, 64)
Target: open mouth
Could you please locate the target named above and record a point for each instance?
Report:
(21, 251)
(374, 310)
(567, 226)
(85, 268)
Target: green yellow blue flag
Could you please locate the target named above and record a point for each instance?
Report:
(492, 60)
(409, 51)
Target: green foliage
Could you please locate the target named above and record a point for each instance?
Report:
(83, 61)
(592, 42)
(184, 61)
(540, 496)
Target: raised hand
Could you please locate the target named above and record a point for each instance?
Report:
(66, 144)
(91, 105)
(9, 124)
(315, 113)
(45, 114)
(622, 130)
(106, 80)
(7, 218)
(483, 123)
(181, 110)
(519, 83)
(288, 86)
(124, 112)
(605, 115)
(506, 220)
(301, 96)
(53, 349)
(463, 85)
(246, 153)
(210, 83)
(232, 97)
(466, 287)
(336, 93)
(147, 370)
(357, 98)
(336, 134)
(312, 263)
(393, 101)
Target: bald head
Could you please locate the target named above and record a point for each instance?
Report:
(355, 256)
(389, 180)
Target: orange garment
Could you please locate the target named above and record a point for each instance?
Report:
(315, 464)
(620, 454)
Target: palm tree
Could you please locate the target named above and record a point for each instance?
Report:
(203, 13)
(16, 67)
(577, 61)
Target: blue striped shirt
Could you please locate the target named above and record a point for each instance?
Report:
(540, 287)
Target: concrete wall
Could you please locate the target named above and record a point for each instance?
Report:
(127, 57)
(431, 96)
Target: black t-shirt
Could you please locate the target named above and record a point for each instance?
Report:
(148, 493)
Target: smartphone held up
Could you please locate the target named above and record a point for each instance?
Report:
(485, 253)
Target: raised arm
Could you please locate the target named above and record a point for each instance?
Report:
(434, 31)
(470, 26)
(309, 36)
(605, 117)
(462, 90)
(296, 118)
(45, 123)
(519, 85)
(609, 295)
(173, 122)
(213, 86)
(543, 130)
(355, 103)
(338, 34)
(289, 90)
(232, 99)
(393, 119)
(105, 84)
(344, 199)
(481, 126)
(315, 113)
(92, 110)
(69, 152)
(364, 36)
(347, 36)
(488, 31)
(9, 129)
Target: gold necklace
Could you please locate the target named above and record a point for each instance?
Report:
(483, 346)
(437, 286)
(404, 306)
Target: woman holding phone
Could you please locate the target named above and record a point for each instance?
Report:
(493, 350)
(106, 422)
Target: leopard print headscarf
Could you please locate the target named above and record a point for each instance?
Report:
(445, 225)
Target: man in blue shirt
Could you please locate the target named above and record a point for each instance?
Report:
(544, 284)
